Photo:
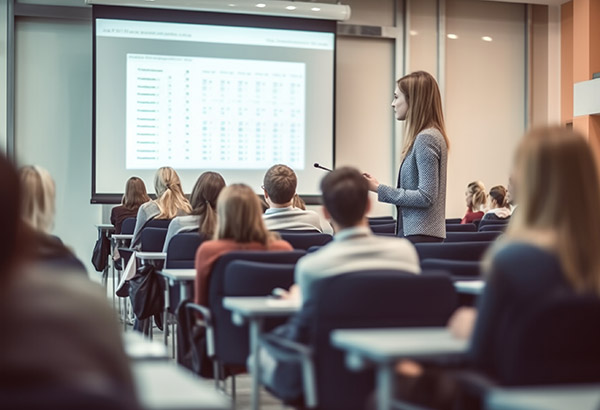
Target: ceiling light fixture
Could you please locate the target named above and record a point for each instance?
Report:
(301, 9)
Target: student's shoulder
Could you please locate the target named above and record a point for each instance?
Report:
(212, 246)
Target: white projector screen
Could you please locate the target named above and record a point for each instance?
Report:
(210, 92)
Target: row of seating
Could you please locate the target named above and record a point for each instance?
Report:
(387, 299)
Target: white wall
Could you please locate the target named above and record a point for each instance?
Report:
(485, 94)
(53, 120)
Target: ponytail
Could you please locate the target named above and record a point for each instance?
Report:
(208, 220)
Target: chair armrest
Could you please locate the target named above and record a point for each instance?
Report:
(303, 354)
(206, 322)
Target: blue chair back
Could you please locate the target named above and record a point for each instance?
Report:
(458, 269)
(385, 299)
(485, 222)
(128, 226)
(556, 342)
(453, 221)
(158, 223)
(384, 228)
(231, 341)
(493, 228)
(461, 228)
(461, 251)
(382, 221)
(471, 236)
(181, 253)
(304, 240)
(153, 239)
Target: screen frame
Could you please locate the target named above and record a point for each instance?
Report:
(201, 17)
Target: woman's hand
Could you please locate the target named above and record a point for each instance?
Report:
(373, 183)
(292, 294)
(462, 322)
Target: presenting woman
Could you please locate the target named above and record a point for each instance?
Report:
(420, 196)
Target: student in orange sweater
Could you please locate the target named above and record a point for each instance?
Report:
(240, 227)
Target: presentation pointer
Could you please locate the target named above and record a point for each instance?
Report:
(323, 168)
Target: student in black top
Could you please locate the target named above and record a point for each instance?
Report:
(551, 245)
(135, 195)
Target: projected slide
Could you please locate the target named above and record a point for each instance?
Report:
(233, 94)
(219, 113)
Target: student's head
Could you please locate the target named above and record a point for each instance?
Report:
(556, 181)
(204, 200)
(169, 194)
(417, 100)
(475, 196)
(345, 196)
(10, 208)
(239, 216)
(38, 198)
(166, 179)
(498, 197)
(135, 193)
(280, 184)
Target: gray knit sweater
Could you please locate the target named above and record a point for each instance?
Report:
(421, 193)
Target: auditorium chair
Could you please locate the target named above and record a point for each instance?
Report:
(471, 236)
(461, 228)
(365, 299)
(461, 251)
(240, 273)
(303, 240)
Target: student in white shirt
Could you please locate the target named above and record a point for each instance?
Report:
(279, 186)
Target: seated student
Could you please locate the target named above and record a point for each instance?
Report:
(475, 198)
(203, 217)
(550, 246)
(169, 203)
(60, 332)
(354, 248)
(135, 195)
(38, 209)
(499, 208)
(239, 227)
(279, 186)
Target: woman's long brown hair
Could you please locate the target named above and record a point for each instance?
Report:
(424, 102)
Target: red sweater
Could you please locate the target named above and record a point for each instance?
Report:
(208, 253)
(471, 216)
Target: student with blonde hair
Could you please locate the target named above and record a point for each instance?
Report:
(499, 207)
(38, 206)
(64, 344)
(38, 201)
(135, 195)
(203, 217)
(169, 203)
(420, 195)
(476, 198)
(240, 226)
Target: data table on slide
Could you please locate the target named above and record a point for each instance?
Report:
(223, 112)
